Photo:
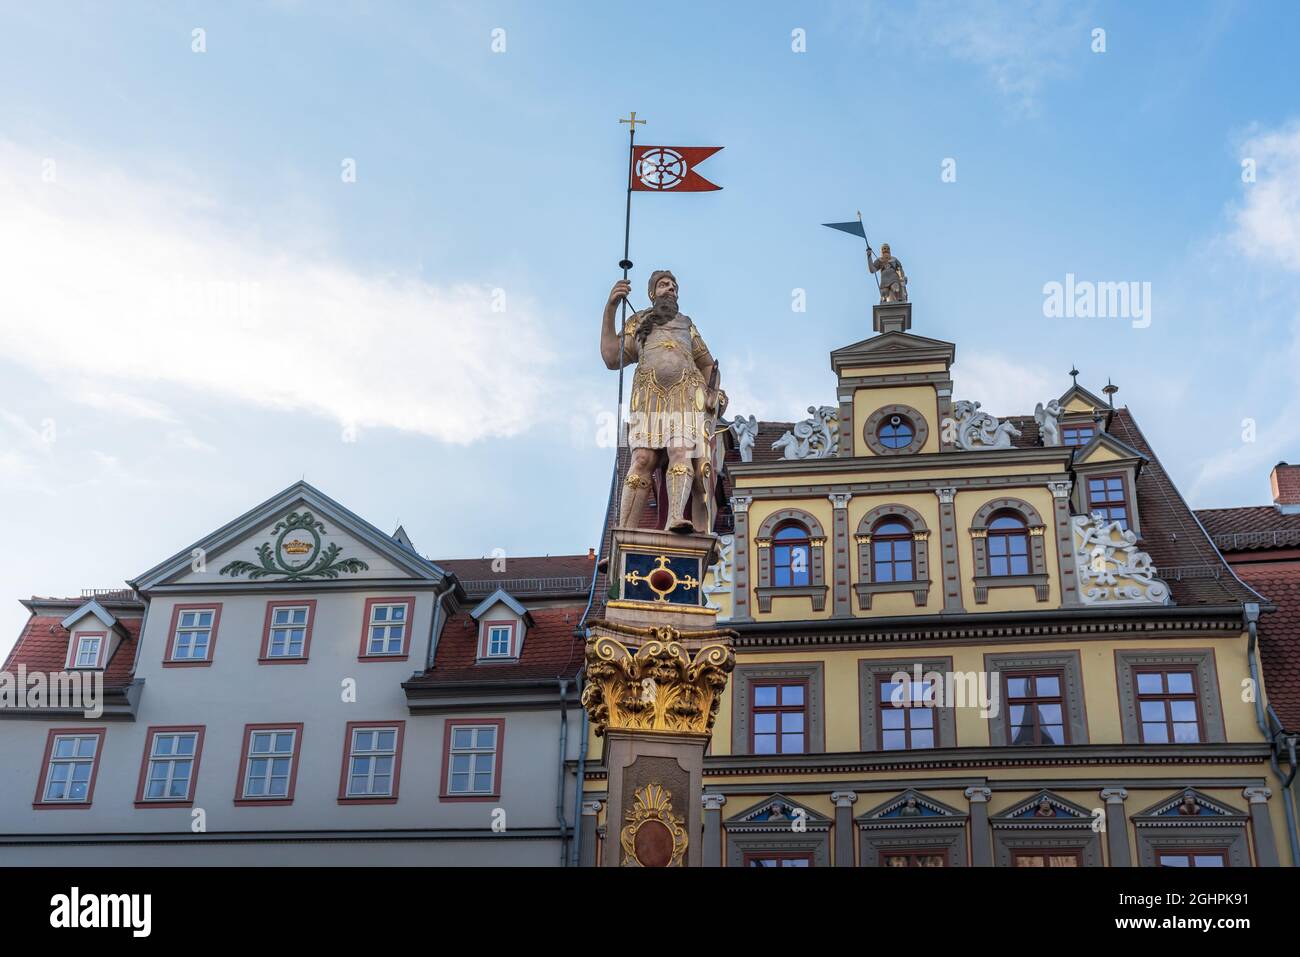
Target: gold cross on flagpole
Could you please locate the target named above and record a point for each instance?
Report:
(633, 121)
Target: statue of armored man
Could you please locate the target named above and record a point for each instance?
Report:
(893, 281)
(674, 408)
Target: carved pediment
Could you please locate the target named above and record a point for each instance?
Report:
(1110, 568)
(892, 348)
(911, 808)
(1044, 809)
(778, 813)
(1189, 807)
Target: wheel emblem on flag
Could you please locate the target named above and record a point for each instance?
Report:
(661, 168)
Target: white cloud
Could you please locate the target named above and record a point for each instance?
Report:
(121, 285)
(1020, 45)
(1267, 222)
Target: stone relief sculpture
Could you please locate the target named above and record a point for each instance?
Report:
(1048, 418)
(979, 430)
(816, 437)
(720, 581)
(746, 431)
(1110, 568)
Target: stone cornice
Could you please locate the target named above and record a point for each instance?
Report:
(920, 460)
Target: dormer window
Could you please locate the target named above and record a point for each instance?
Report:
(1106, 495)
(1077, 434)
(502, 625)
(87, 649)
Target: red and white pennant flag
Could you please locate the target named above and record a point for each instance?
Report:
(670, 169)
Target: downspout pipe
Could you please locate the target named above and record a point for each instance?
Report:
(1250, 610)
(435, 627)
(559, 784)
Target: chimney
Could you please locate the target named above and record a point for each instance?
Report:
(1285, 482)
(591, 554)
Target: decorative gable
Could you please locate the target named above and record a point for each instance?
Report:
(1189, 808)
(911, 809)
(299, 536)
(1044, 810)
(777, 814)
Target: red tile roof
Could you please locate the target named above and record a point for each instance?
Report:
(551, 650)
(1279, 635)
(1251, 528)
(542, 566)
(43, 646)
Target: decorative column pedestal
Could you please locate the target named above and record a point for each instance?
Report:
(656, 669)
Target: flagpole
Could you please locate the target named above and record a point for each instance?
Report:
(625, 263)
(868, 242)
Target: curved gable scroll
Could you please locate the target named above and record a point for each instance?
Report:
(816, 588)
(866, 586)
(1037, 576)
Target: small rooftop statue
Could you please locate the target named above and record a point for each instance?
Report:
(893, 281)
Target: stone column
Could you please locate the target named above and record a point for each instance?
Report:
(712, 849)
(840, 572)
(981, 838)
(1116, 826)
(844, 801)
(950, 570)
(1065, 544)
(1260, 823)
(740, 590)
(590, 812)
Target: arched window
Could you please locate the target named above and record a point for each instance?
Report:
(1008, 545)
(892, 557)
(791, 555)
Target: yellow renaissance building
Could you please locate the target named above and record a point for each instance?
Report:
(971, 641)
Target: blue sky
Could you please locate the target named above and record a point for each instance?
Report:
(421, 343)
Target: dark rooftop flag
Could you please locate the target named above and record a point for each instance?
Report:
(855, 228)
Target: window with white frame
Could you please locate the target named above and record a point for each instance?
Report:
(288, 632)
(88, 651)
(499, 641)
(372, 757)
(269, 767)
(171, 766)
(193, 635)
(72, 765)
(386, 630)
(472, 760)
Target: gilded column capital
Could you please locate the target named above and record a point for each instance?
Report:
(657, 684)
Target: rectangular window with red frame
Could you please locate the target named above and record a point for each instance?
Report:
(1168, 706)
(905, 724)
(472, 751)
(286, 635)
(779, 717)
(268, 765)
(1036, 708)
(169, 767)
(386, 629)
(69, 768)
(1106, 495)
(86, 649)
(372, 762)
(192, 638)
